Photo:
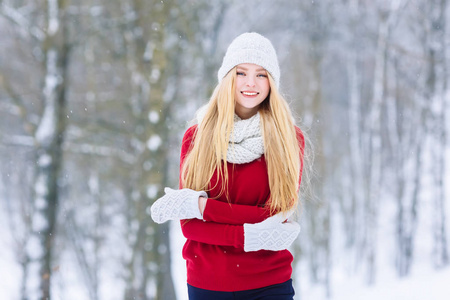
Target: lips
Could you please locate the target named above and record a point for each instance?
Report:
(248, 93)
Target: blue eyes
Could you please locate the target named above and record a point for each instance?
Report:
(258, 75)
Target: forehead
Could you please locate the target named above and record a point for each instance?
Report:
(247, 67)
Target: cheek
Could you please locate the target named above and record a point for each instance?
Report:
(239, 81)
(236, 88)
(266, 88)
(237, 85)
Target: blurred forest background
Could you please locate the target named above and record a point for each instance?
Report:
(95, 96)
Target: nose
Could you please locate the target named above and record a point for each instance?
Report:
(250, 81)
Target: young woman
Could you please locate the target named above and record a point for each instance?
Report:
(240, 172)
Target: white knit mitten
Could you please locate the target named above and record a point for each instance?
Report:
(177, 205)
(271, 234)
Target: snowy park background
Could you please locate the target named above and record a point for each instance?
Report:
(95, 96)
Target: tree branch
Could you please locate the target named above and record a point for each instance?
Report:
(20, 108)
(21, 21)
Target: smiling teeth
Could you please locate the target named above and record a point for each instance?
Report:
(249, 94)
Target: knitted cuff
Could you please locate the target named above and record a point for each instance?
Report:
(192, 204)
(177, 205)
(252, 238)
(274, 237)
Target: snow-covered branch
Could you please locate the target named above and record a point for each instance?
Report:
(104, 151)
(25, 28)
(85, 149)
(18, 140)
(18, 107)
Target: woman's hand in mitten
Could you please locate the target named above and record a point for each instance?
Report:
(177, 205)
(271, 234)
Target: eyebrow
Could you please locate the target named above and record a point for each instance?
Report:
(245, 69)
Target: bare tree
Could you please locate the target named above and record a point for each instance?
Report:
(49, 137)
(436, 89)
(48, 134)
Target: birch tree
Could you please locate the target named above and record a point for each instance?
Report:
(373, 140)
(48, 135)
(436, 91)
(147, 61)
(406, 134)
(352, 206)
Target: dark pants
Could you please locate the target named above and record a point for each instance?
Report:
(282, 291)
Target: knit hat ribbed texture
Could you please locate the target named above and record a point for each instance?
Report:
(253, 48)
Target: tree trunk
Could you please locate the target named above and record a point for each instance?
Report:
(48, 142)
(354, 220)
(149, 267)
(375, 150)
(438, 84)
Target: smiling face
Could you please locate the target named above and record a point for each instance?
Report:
(252, 87)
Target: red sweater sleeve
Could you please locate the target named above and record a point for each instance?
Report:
(208, 232)
(301, 144)
(213, 233)
(236, 214)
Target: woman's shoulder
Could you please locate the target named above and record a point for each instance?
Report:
(188, 139)
(299, 133)
(190, 132)
(298, 130)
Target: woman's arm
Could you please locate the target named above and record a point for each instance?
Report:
(272, 234)
(227, 213)
(233, 214)
(218, 211)
(213, 233)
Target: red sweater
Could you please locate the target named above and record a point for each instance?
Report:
(214, 250)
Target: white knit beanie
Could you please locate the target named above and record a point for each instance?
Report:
(252, 48)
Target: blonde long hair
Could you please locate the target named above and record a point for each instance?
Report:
(281, 148)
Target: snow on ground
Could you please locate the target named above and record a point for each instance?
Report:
(10, 272)
(426, 285)
(177, 241)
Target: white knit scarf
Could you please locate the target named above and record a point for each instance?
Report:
(246, 143)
